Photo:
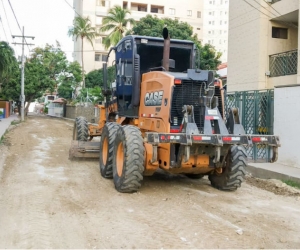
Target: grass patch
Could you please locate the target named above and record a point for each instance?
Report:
(292, 183)
(15, 122)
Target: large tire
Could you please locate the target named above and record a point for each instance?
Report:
(128, 159)
(81, 129)
(233, 172)
(108, 137)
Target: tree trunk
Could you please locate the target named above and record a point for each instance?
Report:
(27, 106)
(83, 80)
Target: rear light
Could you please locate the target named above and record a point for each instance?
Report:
(174, 130)
(197, 138)
(162, 137)
(177, 81)
(227, 138)
(256, 139)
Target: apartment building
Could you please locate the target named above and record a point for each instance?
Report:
(189, 11)
(215, 25)
(264, 41)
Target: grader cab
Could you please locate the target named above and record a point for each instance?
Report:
(164, 113)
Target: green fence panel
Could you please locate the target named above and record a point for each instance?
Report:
(256, 111)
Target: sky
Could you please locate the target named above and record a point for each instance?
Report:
(47, 20)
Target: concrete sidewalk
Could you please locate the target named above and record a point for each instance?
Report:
(274, 171)
(5, 123)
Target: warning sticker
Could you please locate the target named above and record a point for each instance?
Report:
(212, 112)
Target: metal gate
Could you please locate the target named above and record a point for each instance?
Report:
(256, 111)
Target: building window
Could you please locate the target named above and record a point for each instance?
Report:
(98, 40)
(198, 28)
(281, 33)
(98, 20)
(221, 22)
(198, 14)
(125, 4)
(157, 9)
(220, 31)
(99, 57)
(100, 3)
(172, 11)
(189, 13)
(139, 7)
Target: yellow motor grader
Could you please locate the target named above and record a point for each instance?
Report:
(165, 113)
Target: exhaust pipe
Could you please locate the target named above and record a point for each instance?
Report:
(166, 54)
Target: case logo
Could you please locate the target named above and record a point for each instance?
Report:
(154, 98)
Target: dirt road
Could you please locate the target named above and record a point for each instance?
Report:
(48, 201)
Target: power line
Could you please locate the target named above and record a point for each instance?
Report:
(286, 22)
(244, 23)
(73, 8)
(6, 17)
(3, 29)
(257, 9)
(17, 21)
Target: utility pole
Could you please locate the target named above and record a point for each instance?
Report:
(22, 98)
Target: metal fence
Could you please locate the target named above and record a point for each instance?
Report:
(283, 63)
(256, 111)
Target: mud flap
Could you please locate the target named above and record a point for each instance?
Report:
(84, 149)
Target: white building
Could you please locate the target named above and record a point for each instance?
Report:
(215, 25)
(193, 12)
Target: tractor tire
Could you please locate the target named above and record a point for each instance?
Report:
(195, 176)
(108, 137)
(128, 159)
(81, 129)
(233, 172)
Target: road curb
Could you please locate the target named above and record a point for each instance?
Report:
(262, 172)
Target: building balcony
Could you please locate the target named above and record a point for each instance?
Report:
(283, 64)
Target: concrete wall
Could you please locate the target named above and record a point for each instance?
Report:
(286, 124)
(86, 111)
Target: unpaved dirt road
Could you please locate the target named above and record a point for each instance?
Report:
(48, 201)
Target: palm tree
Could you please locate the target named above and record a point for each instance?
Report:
(116, 23)
(7, 60)
(82, 28)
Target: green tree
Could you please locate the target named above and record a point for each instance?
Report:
(42, 74)
(82, 28)
(95, 77)
(153, 26)
(115, 22)
(69, 81)
(8, 61)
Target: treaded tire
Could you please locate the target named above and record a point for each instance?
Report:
(128, 167)
(234, 171)
(195, 176)
(108, 137)
(81, 129)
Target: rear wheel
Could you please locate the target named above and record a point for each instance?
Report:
(81, 129)
(108, 137)
(128, 159)
(233, 172)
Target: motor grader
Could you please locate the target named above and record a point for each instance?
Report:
(163, 112)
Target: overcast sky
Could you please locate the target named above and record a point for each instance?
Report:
(46, 20)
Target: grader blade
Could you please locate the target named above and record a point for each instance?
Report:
(84, 149)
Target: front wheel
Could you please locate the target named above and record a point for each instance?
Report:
(128, 159)
(81, 129)
(108, 137)
(233, 172)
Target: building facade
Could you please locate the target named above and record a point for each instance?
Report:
(190, 12)
(264, 41)
(215, 25)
